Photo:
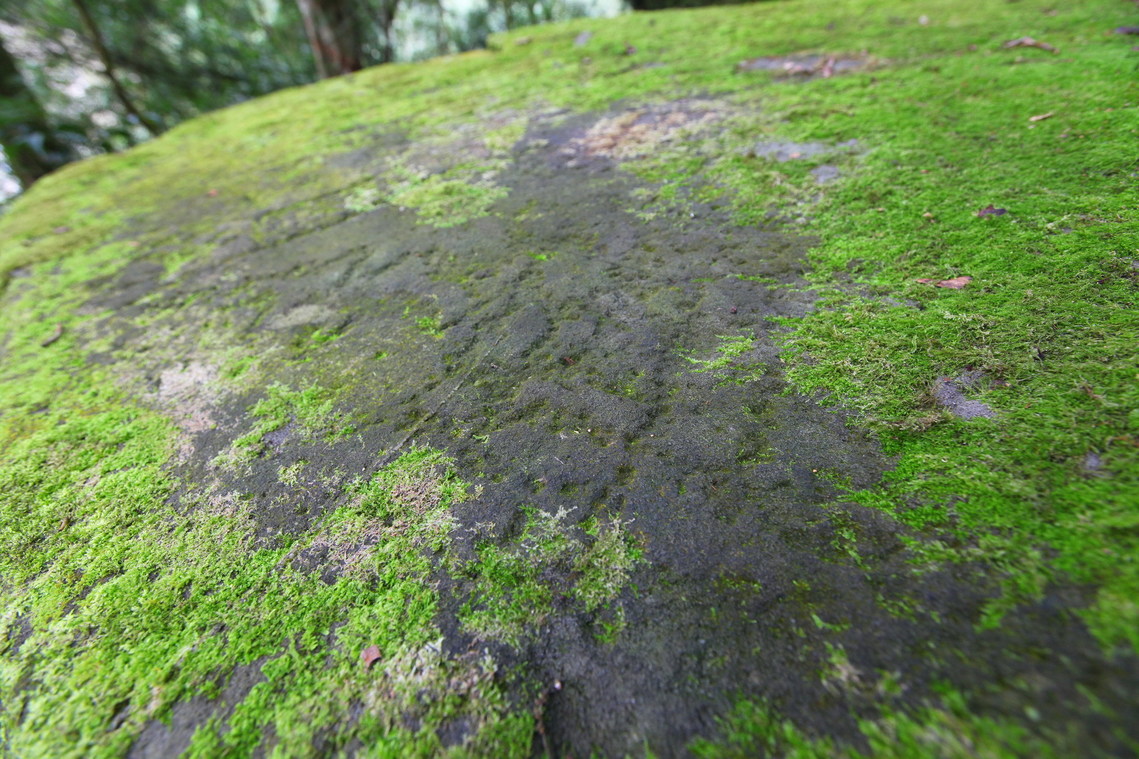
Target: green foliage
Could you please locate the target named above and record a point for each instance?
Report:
(178, 59)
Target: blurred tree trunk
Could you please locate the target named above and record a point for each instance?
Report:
(109, 69)
(29, 142)
(335, 35)
(386, 21)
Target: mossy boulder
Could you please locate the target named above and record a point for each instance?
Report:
(580, 397)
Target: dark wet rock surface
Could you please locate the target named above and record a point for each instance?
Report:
(557, 371)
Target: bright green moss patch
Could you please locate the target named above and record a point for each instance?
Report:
(131, 608)
(604, 566)
(430, 325)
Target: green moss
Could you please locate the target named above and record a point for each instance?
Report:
(941, 124)
(510, 597)
(135, 608)
(362, 199)
(312, 410)
(503, 139)
(516, 585)
(430, 325)
(729, 362)
(604, 566)
(1048, 317)
(289, 475)
(119, 604)
(949, 730)
(448, 199)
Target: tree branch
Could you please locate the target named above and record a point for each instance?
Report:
(109, 69)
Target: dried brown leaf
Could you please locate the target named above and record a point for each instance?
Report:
(951, 284)
(1030, 42)
(1041, 116)
(370, 656)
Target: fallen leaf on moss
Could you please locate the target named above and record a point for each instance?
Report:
(1041, 116)
(54, 336)
(953, 284)
(1127, 30)
(370, 656)
(991, 210)
(1030, 42)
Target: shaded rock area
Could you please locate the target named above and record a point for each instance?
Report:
(552, 348)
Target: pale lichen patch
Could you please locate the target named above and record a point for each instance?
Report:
(640, 132)
(189, 394)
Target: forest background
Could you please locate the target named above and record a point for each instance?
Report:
(82, 77)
